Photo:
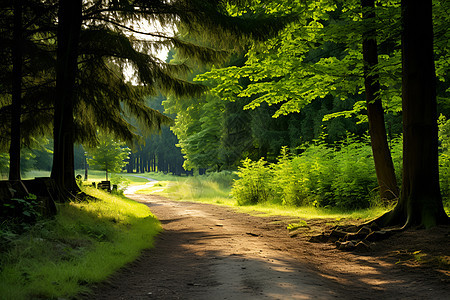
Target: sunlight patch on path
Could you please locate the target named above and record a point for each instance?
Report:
(133, 189)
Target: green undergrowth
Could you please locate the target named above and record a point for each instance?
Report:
(215, 188)
(85, 243)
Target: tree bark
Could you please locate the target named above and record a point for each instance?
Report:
(154, 162)
(138, 163)
(86, 166)
(16, 107)
(384, 167)
(421, 198)
(69, 27)
(130, 165)
(420, 202)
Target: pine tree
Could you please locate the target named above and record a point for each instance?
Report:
(199, 16)
(16, 106)
(25, 64)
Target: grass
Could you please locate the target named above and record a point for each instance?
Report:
(83, 244)
(216, 189)
(35, 173)
(160, 176)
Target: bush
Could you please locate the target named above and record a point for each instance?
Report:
(288, 182)
(316, 166)
(252, 186)
(444, 159)
(17, 215)
(340, 175)
(356, 174)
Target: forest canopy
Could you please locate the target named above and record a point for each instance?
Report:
(312, 92)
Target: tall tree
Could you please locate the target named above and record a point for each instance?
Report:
(27, 61)
(105, 16)
(69, 28)
(420, 202)
(384, 167)
(16, 107)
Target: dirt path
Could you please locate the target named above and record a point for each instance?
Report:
(132, 189)
(212, 252)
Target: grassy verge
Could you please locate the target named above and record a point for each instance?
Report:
(216, 189)
(85, 243)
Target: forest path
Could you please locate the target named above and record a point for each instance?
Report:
(130, 190)
(213, 252)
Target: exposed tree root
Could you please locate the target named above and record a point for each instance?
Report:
(354, 237)
(359, 238)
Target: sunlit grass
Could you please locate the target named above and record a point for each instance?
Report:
(154, 187)
(161, 176)
(310, 212)
(85, 243)
(35, 173)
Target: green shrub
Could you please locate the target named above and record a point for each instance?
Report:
(356, 177)
(287, 181)
(18, 215)
(252, 186)
(444, 159)
(319, 171)
(340, 175)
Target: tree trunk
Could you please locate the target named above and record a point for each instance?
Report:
(16, 107)
(154, 162)
(69, 26)
(384, 167)
(420, 202)
(144, 162)
(130, 165)
(421, 198)
(86, 166)
(137, 163)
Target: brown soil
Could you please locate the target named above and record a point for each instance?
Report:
(214, 252)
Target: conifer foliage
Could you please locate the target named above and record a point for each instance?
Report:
(92, 42)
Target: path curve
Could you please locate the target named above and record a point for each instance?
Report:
(131, 190)
(213, 252)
